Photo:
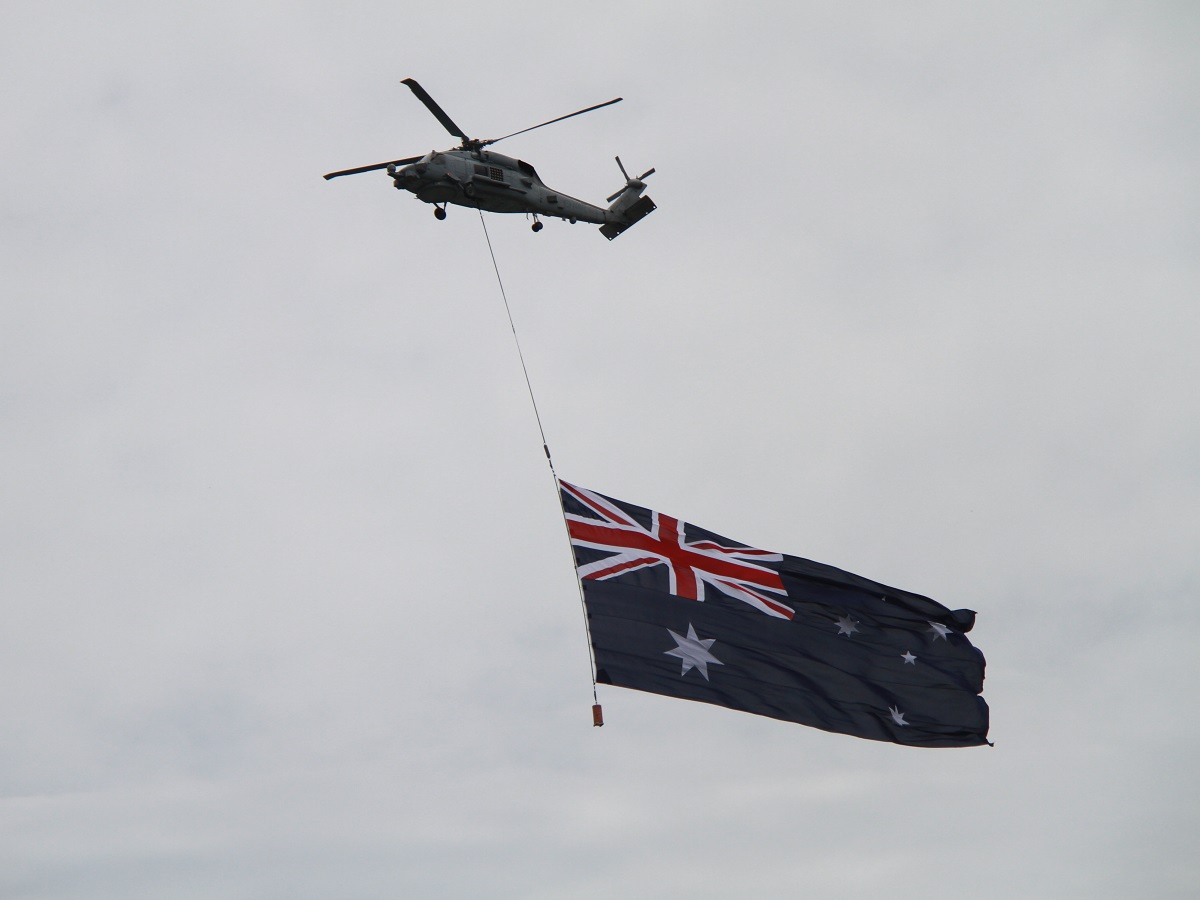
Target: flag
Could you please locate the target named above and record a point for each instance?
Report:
(677, 610)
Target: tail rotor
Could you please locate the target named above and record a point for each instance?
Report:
(627, 206)
(637, 184)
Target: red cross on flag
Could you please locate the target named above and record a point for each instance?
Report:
(690, 564)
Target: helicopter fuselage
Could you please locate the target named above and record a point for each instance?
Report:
(473, 176)
(484, 179)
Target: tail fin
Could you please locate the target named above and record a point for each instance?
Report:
(628, 206)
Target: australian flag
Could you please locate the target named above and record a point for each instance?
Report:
(674, 609)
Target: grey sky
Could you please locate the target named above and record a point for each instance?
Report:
(288, 604)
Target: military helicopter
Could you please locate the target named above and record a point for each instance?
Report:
(471, 175)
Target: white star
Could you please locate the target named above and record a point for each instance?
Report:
(909, 659)
(897, 716)
(940, 630)
(693, 652)
(847, 625)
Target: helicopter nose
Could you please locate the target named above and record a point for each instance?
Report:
(408, 173)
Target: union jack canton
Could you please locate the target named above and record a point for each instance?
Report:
(690, 564)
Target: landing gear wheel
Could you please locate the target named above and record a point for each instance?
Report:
(536, 226)
(439, 213)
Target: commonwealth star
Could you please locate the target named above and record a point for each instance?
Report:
(693, 651)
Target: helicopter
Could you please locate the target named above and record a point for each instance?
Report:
(473, 176)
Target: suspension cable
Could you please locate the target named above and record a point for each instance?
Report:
(549, 459)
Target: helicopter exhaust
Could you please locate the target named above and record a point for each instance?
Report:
(628, 206)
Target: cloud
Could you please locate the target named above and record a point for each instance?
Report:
(288, 604)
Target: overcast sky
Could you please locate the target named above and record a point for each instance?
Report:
(288, 605)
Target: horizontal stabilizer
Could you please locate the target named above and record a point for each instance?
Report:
(634, 214)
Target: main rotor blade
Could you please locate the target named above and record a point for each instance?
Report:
(552, 121)
(437, 111)
(383, 165)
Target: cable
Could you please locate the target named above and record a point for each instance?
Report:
(545, 449)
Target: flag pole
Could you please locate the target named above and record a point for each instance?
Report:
(597, 712)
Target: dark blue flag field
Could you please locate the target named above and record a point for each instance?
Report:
(674, 609)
